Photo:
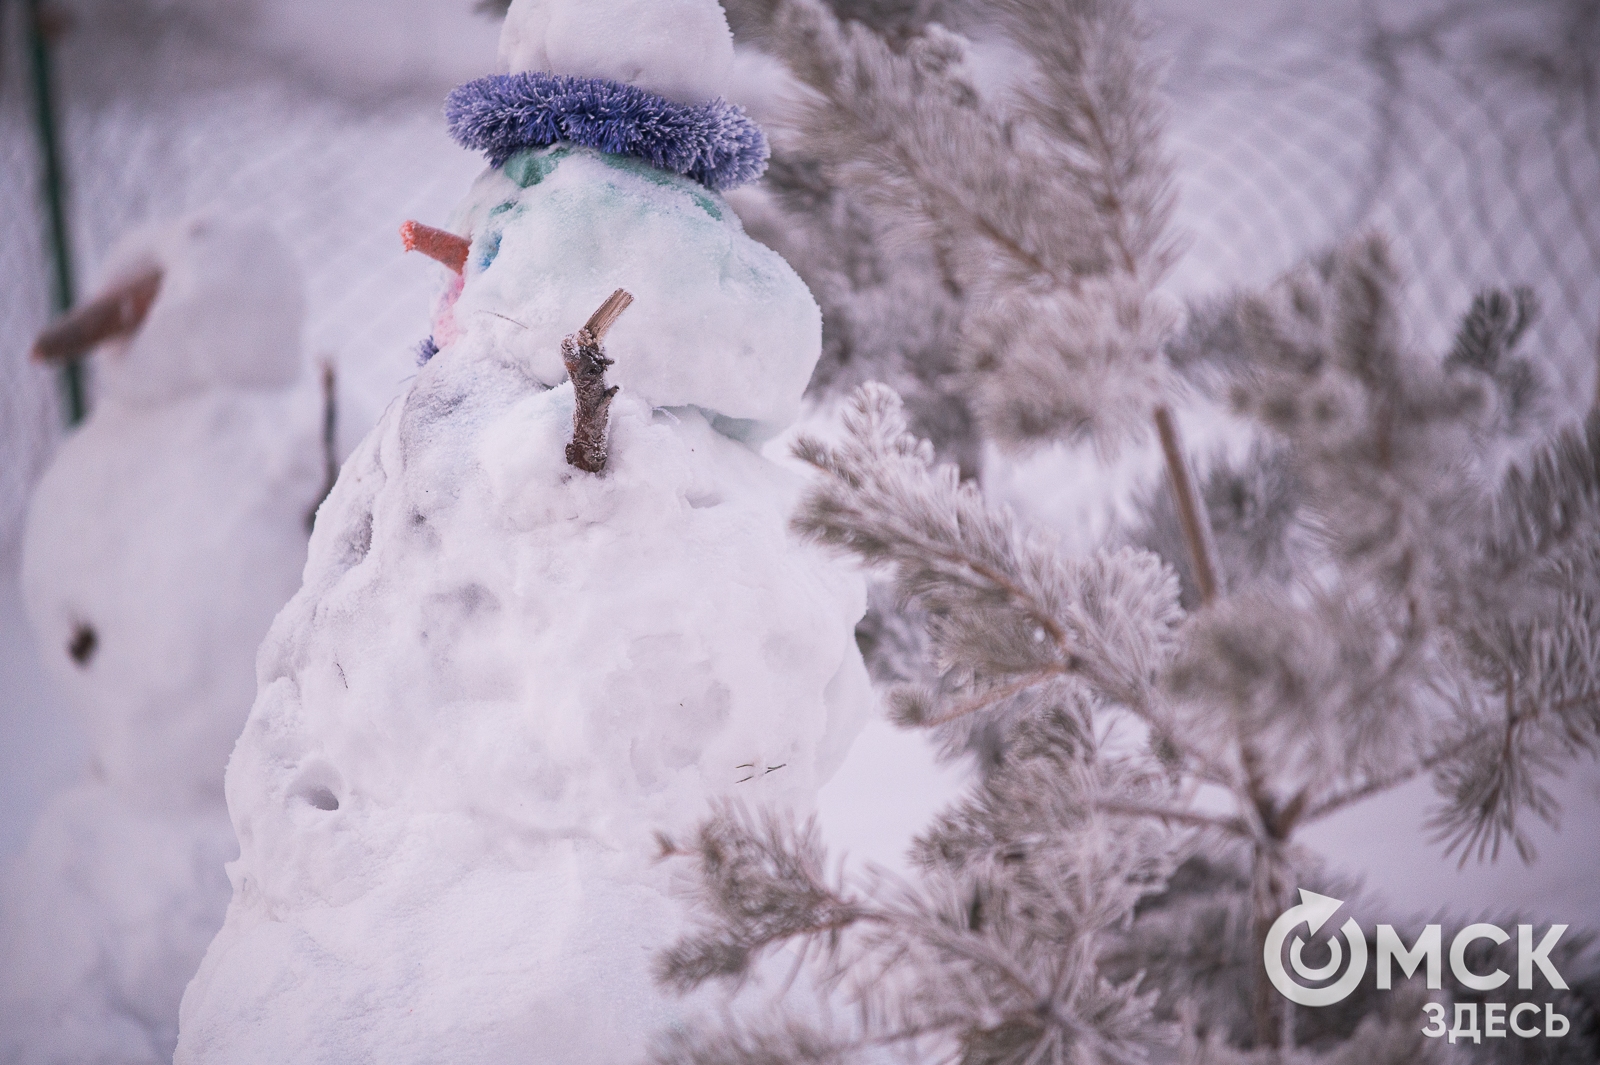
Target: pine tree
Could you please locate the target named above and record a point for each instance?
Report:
(892, 306)
(1402, 580)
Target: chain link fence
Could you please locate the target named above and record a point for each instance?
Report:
(1470, 134)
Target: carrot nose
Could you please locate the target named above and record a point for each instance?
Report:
(437, 244)
(116, 312)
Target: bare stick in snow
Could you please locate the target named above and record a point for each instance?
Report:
(440, 245)
(586, 364)
(330, 433)
(117, 312)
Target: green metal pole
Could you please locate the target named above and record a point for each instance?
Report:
(44, 114)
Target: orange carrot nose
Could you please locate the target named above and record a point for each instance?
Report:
(117, 312)
(437, 244)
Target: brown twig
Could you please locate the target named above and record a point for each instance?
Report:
(117, 312)
(996, 695)
(330, 432)
(1194, 818)
(586, 363)
(439, 245)
(1191, 511)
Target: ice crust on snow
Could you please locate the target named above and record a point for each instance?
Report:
(720, 322)
(172, 527)
(502, 676)
(680, 49)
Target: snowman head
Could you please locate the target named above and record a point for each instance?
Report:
(680, 49)
(182, 307)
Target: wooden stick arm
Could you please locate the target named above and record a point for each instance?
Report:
(586, 364)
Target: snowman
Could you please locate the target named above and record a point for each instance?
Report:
(542, 624)
(159, 544)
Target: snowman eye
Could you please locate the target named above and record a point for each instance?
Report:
(85, 641)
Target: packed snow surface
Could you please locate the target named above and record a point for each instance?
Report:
(720, 322)
(680, 49)
(103, 919)
(503, 675)
(158, 546)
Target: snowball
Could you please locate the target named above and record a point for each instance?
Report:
(501, 677)
(719, 321)
(103, 919)
(228, 312)
(680, 49)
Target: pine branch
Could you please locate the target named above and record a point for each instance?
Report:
(1192, 515)
(1547, 506)
(761, 885)
(1002, 604)
(1332, 804)
(586, 364)
(1051, 210)
(1096, 102)
(1192, 818)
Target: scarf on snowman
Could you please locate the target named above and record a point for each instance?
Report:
(715, 143)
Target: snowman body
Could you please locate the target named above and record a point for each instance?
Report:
(159, 544)
(504, 676)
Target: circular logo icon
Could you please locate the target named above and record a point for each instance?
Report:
(1313, 912)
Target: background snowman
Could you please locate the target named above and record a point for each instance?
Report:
(158, 546)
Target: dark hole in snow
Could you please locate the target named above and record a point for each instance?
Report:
(322, 799)
(359, 539)
(85, 641)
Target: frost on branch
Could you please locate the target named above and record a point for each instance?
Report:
(1330, 673)
(1051, 205)
(992, 955)
(1529, 626)
(1007, 615)
(764, 879)
(1390, 603)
